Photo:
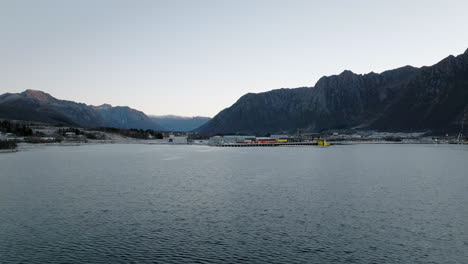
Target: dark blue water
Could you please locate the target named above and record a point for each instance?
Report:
(195, 204)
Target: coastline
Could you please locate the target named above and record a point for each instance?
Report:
(26, 146)
(9, 150)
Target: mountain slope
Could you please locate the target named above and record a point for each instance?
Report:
(436, 98)
(180, 123)
(257, 113)
(126, 117)
(403, 99)
(38, 106)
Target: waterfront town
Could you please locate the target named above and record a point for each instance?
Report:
(13, 133)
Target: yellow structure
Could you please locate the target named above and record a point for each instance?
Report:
(323, 143)
(282, 140)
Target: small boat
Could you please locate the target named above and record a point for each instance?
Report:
(323, 143)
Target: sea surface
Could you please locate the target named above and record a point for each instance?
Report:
(129, 203)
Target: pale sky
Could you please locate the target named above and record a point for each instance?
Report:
(198, 57)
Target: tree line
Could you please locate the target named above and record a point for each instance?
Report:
(132, 133)
(7, 144)
(21, 130)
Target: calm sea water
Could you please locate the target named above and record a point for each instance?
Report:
(198, 204)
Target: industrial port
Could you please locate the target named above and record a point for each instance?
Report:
(271, 141)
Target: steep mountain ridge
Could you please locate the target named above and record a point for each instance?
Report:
(436, 98)
(257, 113)
(403, 99)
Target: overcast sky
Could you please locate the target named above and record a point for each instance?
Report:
(198, 57)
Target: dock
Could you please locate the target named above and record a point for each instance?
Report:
(266, 144)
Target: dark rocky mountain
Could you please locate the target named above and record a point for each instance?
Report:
(403, 99)
(180, 123)
(38, 106)
(436, 98)
(257, 113)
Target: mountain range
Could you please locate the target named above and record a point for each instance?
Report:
(33, 105)
(406, 99)
(179, 123)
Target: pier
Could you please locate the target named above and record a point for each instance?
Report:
(266, 144)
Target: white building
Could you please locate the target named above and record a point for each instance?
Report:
(178, 139)
(216, 140)
(279, 136)
(70, 134)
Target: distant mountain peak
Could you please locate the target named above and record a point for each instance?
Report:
(180, 123)
(177, 116)
(103, 106)
(38, 95)
(347, 72)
